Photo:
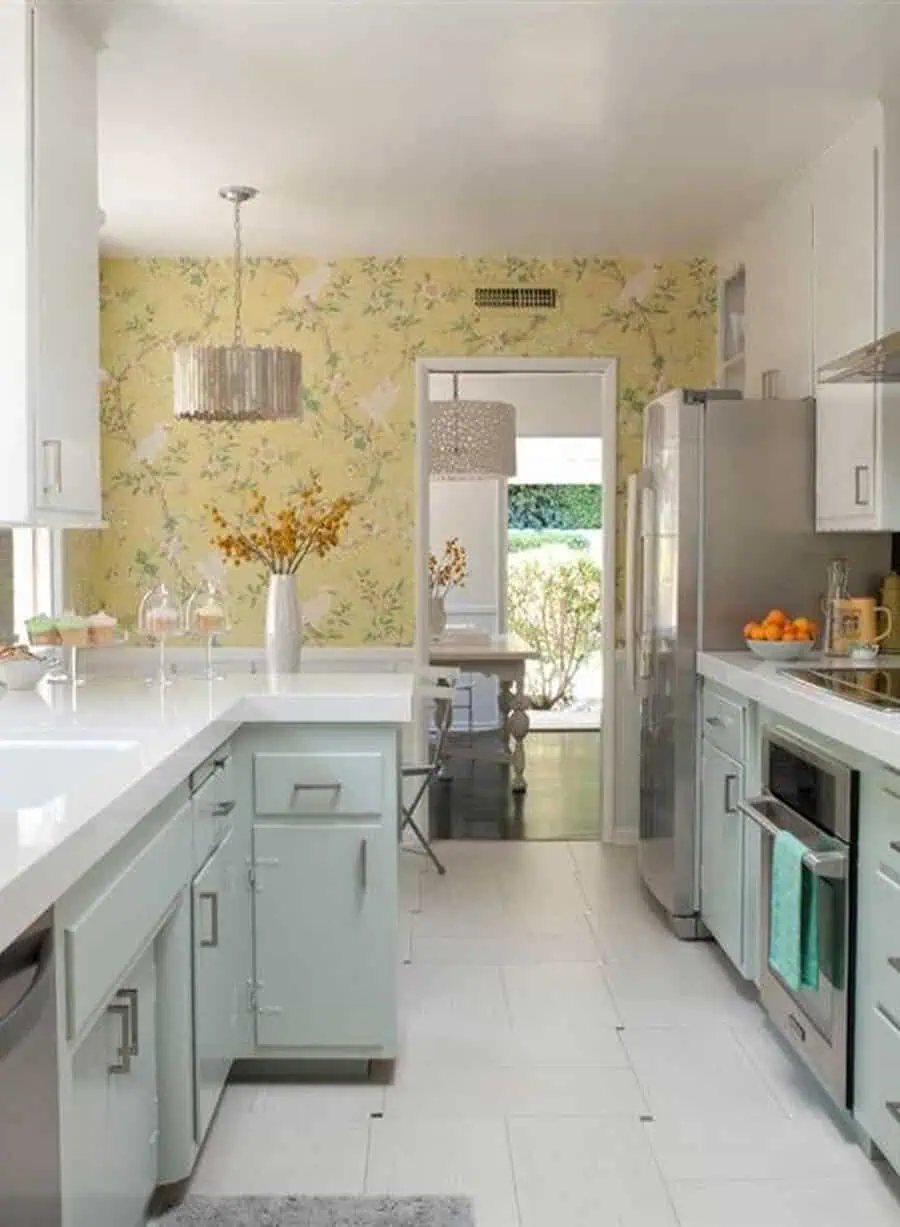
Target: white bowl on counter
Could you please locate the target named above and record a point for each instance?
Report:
(769, 649)
(22, 674)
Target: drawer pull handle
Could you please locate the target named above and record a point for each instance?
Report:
(211, 897)
(730, 781)
(894, 1108)
(895, 843)
(335, 787)
(123, 1065)
(715, 721)
(130, 995)
(797, 1029)
(894, 964)
(364, 864)
(223, 808)
(53, 479)
(860, 499)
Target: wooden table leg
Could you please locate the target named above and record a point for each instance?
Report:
(515, 727)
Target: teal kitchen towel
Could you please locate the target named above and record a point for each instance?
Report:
(794, 915)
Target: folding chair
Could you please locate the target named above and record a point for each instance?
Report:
(441, 694)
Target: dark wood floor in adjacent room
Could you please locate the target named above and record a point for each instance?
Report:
(563, 799)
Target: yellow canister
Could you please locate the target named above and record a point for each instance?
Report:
(890, 598)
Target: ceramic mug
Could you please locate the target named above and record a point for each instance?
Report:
(855, 621)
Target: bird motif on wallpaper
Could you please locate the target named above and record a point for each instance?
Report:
(316, 609)
(379, 403)
(310, 287)
(637, 287)
(152, 446)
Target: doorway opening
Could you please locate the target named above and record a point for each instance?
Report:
(539, 547)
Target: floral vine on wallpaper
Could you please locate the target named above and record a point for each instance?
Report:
(360, 325)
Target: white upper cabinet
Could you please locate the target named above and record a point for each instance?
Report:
(857, 435)
(49, 308)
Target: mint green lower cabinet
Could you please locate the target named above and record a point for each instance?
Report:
(325, 936)
(877, 1004)
(722, 850)
(115, 1111)
(218, 909)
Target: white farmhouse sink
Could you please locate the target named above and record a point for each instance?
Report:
(33, 771)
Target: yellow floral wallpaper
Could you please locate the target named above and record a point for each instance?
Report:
(360, 324)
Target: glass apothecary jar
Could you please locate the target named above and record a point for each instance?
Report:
(206, 617)
(161, 618)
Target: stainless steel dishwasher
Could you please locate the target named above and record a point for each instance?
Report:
(29, 1095)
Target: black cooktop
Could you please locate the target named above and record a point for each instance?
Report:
(872, 686)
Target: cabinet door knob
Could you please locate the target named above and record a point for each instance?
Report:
(123, 1065)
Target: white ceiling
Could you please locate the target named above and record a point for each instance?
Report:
(440, 127)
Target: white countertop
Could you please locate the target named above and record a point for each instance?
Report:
(63, 809)
(867, 730)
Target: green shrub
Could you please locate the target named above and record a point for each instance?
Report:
(555, 608)
(560, 507)
(521, 539)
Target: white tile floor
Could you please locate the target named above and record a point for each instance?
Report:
(567, 1063)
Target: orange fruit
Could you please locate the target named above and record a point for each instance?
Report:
(803, 636)
(803, 625)
(789, 635)
(760, 632)
(749, 629)
(776, 617)
(774, 632)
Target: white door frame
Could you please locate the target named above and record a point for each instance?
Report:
(607, 369)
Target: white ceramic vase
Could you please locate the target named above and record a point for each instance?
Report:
(437, 617)
(284, 625)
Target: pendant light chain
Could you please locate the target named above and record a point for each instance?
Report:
(238, 278)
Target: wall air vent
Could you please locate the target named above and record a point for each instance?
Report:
(516, 298)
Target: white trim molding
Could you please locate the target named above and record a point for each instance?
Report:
(607, 370)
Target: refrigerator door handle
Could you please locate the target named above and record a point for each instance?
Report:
(632, 544)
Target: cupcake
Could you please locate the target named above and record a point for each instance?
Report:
(209, 617)
(162, 620)
(102, 627)
(73, 630)
(41, 630)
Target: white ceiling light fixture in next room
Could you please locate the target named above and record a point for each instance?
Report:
(237, 382)
(472, 440)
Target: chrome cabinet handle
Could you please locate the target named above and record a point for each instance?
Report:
(715, 722)
(894, 1109)
(895, 843)
(130, 996)
(824, 864)
(335, 788)
(222, 809)
(53, 476)
(730, 781)
(858, 498)
(123, 1013)
(894, 964)
(364, 864)
(212, 897)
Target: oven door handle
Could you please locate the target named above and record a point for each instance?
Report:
(832, 865)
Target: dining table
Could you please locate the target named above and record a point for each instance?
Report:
(503, 657)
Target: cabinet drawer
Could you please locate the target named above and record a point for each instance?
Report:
(878, 1092)
(723, 723)
(101, 943)
(212, 806)
(884, 953)
(321, 783)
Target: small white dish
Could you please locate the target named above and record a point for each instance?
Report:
(22, 674)
(769, 649)
(864, 653)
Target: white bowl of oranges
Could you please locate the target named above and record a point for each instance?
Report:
(778, 637)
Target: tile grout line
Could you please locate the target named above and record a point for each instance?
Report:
(512, 1169)
(759, 1071)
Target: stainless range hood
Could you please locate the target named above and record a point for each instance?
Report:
(875, 363)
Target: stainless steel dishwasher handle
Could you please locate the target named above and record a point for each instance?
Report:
(17, 1022)
(832, 865)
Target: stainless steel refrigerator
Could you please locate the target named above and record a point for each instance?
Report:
(720, 528)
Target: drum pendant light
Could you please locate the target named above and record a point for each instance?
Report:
(237, 382)
(472, 440)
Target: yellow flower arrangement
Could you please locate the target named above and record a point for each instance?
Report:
(451, 570)
(281, 540)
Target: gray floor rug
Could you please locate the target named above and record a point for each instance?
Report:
(320, 1212)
